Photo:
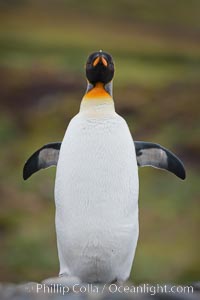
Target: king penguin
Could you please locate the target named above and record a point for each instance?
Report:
(96, 186)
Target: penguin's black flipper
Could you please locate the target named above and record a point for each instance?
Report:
(150, 154)
(41, 159)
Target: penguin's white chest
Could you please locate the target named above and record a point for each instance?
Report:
(96, 195)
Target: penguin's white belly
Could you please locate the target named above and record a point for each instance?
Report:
(96, 195)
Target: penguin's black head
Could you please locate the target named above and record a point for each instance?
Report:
(99, 67)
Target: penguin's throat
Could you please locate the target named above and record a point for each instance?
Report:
(97, 100)
(98, 91)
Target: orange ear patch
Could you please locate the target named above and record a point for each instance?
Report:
(97, 92)
(104, 61)
(96, 61)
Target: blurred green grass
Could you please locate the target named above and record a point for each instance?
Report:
(156, 48)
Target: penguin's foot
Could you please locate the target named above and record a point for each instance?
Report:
(64, 280)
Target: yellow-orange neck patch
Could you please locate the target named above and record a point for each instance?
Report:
(97, 92)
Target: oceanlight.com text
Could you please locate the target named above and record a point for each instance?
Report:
(114, 288)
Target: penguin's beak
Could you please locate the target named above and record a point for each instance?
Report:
(100, 59)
